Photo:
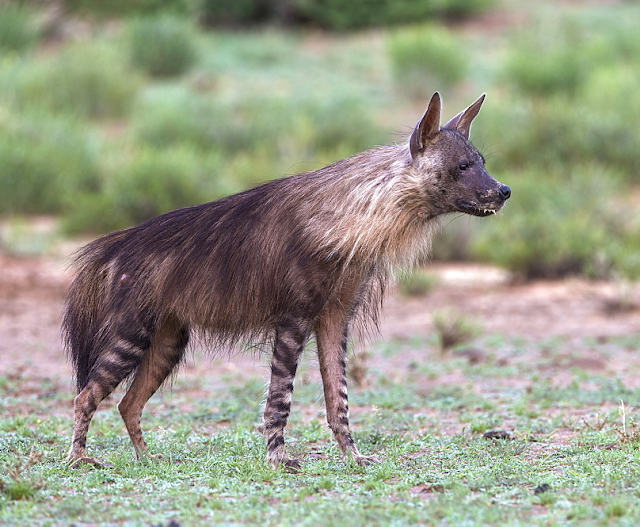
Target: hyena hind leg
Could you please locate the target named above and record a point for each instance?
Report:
(112, 367)
(167, 349)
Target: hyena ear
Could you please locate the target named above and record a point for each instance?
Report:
(462, 121)
(428, 126)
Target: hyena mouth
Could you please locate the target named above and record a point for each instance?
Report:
(482, 212)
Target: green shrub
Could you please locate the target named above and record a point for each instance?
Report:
(44, 163)
(87, 80)
(349, 14)
(336, 14)
(561, 225)
(453, 329)
(123, 8)
(321, 122)
(562, 131)
(18, 29)
(162, 46)
(251, 121)
(141, 184)
(543, 59)
(425, 59)
(175, 115)
(459, 9)
(217, 12)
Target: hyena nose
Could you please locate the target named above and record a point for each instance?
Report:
(504, 191)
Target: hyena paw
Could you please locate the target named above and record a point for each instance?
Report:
(77, 462)
(287, 463)
(365, 461)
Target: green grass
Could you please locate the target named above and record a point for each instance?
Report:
(436, 468)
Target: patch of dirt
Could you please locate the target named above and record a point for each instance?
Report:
(538, 310)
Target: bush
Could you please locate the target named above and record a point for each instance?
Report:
(18, 29)
(144, 183)
(425, 59)
(337, 14)
(162, 46)
(44, 163)
(561, 131)
(175, 115)
(87, 80)
(557, 55)
(349, 14)
(309, 123)
(321, 122)
(123, 8)
(218, 12)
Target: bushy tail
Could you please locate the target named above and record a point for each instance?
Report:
(85, 307)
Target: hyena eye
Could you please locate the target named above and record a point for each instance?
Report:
(463, 166)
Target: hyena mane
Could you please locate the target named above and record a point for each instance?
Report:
(231, 268)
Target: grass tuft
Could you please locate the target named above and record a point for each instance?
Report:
(425, 59)
(162, 46)
(453, 329)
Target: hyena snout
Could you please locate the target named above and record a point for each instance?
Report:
(483, 199)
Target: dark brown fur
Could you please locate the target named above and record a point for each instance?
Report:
(303, 256)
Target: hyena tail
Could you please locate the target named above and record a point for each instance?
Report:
(84, 311)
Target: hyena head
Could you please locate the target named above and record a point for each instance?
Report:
(450, 169)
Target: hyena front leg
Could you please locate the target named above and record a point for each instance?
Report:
(165, 353)
(114, 365)
(332, 337)
(291, 336)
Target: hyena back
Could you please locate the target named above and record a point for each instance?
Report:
(300, 257)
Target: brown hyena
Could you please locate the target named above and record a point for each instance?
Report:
(300, 257)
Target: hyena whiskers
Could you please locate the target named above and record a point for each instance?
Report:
(303, 257)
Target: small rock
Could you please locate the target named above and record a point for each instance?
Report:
(497, 434)
(544, 487)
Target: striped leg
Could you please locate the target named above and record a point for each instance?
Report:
(291, 336)
(165, 353)
(110, 369)
(332, 336)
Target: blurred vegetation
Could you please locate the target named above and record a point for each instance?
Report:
(331, 14)
(18, 28)
(425, 59)
(174, 50)
(152, 112)
(85, 80)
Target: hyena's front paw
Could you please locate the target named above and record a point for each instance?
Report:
(365, 461)
(287, 463)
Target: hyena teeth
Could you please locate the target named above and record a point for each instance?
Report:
(307, 254)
